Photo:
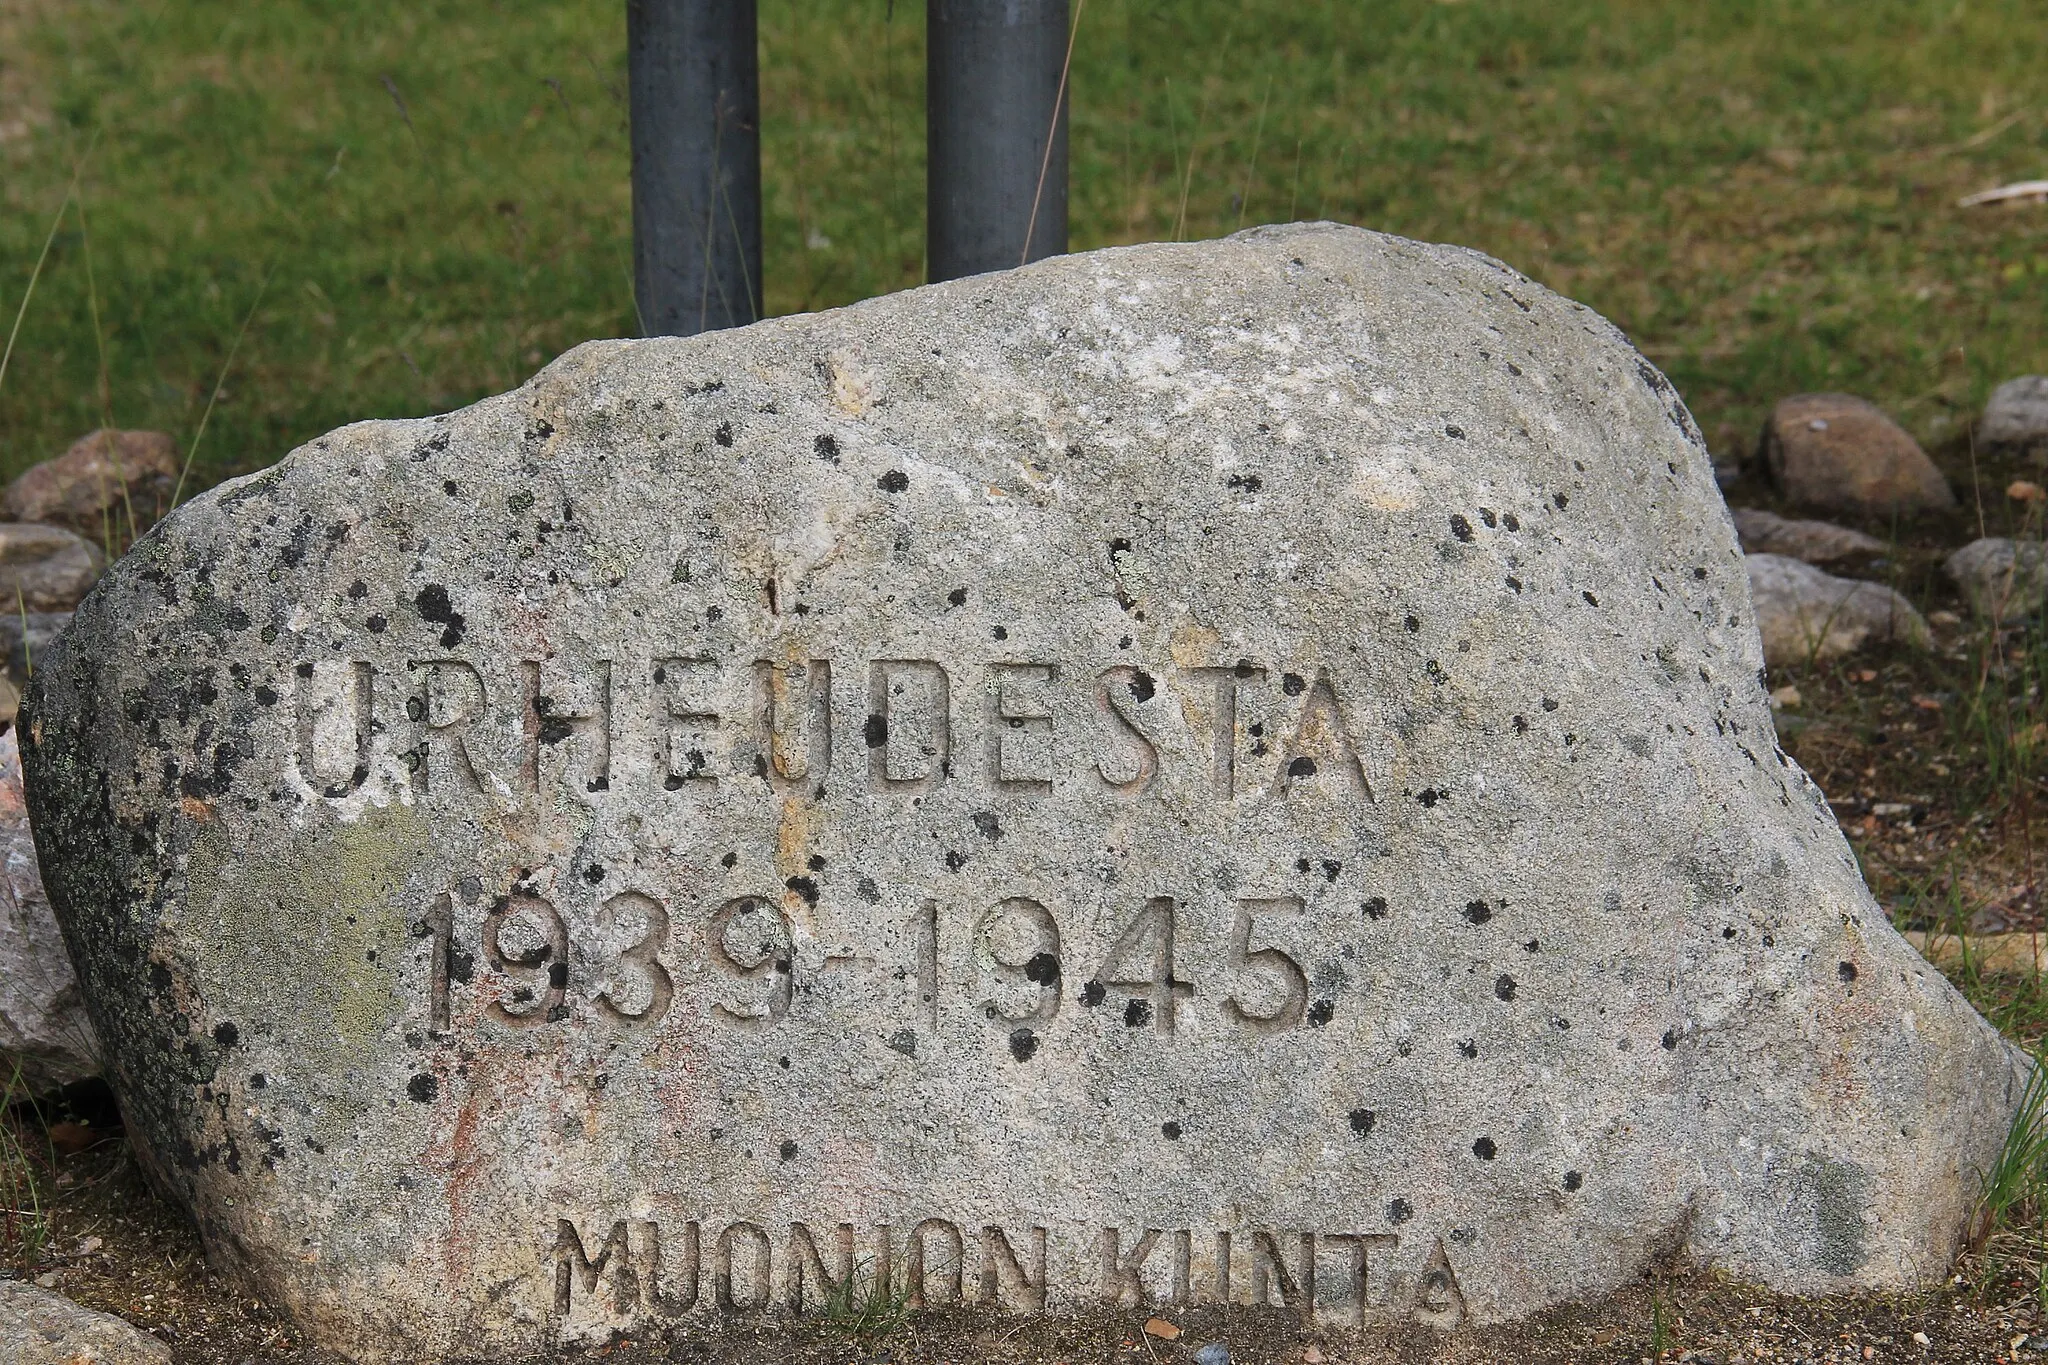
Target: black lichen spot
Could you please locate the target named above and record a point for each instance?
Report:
(358, 590)
(787, 1150)
(425, 1088)
(1468, 1048)
(1455, 433)
(539, 429)
(1460, 527)
(816, 862)
(1478, 912)
(433, 605)
(1511, 521)
(1484, 1149)
(1514, 582)
(1250, 483)
(1001, 633)
(1293, 684)
(266, 695)
(594, 873)
(827, 449)
(1669, 1040)
(805, 888)
(375, 625)
(1023, 1044)
(894, 481)
(258, 1081)
(1436, 672)
(876, 730)
(1093, 993)
(1549, 705)
(955, 860)
(1411, 624)
(1170, 1130)
(1375, 908)
(1332, 869)
(957, 597)
(1399, 1212)
(1118, 546)
(1043, 969)
(724, 434)
(730, 860)
(1728, 932)
(991, 828)
(866, 889)
(1429, 796)
(226, 1034)
(1302, 767)
(1321, 1013)
(1142, 686)
(1591, 600)
(1572, 1181)
(903, 1041)
(1847, 971)
(1361, 1122)
(1138, 1013)
(1486, 515)
(1504, 987)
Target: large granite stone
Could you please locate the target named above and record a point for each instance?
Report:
(1189, 772)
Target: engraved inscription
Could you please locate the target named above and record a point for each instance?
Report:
(627, 1269)
(452, 728)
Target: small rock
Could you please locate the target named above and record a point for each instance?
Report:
(1816, 542)
(2016, 418)
(2003, 580)
(1161, 1328)
(1944, 618)
(24, 637)
(1311, 1355)
(43, 1025)
(1215, 1353)
(94, 487)
(1785, 698)
(1806, 615)
(1920, 1339)
(38, 1327)
(45, 568)
(1840, 453)
(2021, 490)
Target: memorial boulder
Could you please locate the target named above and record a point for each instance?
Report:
(1231, 772)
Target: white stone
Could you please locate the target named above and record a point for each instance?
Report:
(46, 1040)
(1806, 615)
(2002, 580)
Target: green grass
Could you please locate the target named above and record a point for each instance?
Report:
(1760, 191)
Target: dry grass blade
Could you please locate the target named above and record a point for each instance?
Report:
(1059, 102)
(42, 258)
(24, 1216)
(192, 452)
(2004, 194)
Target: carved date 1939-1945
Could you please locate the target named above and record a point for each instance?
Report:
(1011, 964)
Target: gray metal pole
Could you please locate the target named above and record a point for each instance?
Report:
(993, 96)
(694, 72)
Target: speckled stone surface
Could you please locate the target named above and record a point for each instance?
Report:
(1229, 770)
